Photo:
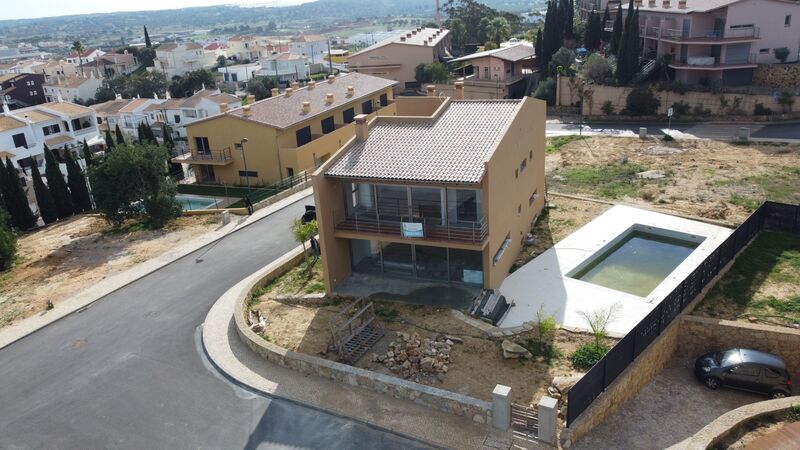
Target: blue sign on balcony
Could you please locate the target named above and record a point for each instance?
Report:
(412, 230)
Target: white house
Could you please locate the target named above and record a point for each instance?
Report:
(175, 59)
(239, 73)
(285, 67)
(313, 47)
(88, 55)
(59, 125)
(71, 89)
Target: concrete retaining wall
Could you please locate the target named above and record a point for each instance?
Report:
(450, 402)
(700, 335)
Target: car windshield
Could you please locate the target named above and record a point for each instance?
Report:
(728, 358)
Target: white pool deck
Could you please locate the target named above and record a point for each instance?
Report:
(543, 282)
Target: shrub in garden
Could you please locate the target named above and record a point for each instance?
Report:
(587, 355)
(641, 101)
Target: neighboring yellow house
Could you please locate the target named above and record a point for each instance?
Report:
(444, 192)
(397, 58)
(286, 134)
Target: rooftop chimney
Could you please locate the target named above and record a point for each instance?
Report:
(402, 38)
(306, 107)
(311, 85)
(251, 99)
(362, 127)
(223, 108)
(638, 3)
(458, 93)
(295, 85)
(408, 34)
(419, 28)
(431, 90)
(246, 111)
(651, 3)
(288, 92)
(413, 31)
(665, 4)
(329, 97)
(275, 92)
(426, 42)
(351, 91)
(331, 78)
(682, 4)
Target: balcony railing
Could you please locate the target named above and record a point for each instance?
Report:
(217, 157)
(432, 229)
(710, 36)
(712, 62)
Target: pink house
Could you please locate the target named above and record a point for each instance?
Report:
(503, 67)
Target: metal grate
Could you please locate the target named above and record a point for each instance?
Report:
(524, 419)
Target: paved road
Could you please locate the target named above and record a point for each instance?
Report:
(129, 373)
(702, 130)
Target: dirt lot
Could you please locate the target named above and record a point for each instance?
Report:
(68, 257)
(672, 408)
(710, 179)
(476, 365)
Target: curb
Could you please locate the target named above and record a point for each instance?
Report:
(86, 298)
(217, 321)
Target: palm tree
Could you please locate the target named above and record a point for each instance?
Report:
(78, 47)
(498, 30)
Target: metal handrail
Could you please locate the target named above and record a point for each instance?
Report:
(370, 221)
(211, 155)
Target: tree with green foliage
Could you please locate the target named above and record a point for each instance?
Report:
(616, 32)
(191, 82)
(458, 33)
(146, 85)
(109, 140)
(78, 48)
(167, 134)
(593, 34)
(303, 232)
(148, 132)
(103, 94)
(641, 101)
(88, 155)
(81, 201)
(562, 62)
(140, 138)
(261, 87)
(120, 136)
(47, 207)
(604, 21)
(147, 42)
(57, 185)
(8, 243)
(476, 18)
(132, 183)
(498, 30)
(432, 73)
(596, 69)
(569, 19)
(538, 44)
(14, 198)
(628, 55)
(552, 34)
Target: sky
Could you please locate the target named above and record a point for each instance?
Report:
(16, 9)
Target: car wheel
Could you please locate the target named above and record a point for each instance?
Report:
(778, 394)
(712, 383)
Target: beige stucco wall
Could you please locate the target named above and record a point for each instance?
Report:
(507, 189)
(406, 56)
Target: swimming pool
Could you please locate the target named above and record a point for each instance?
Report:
(194, 202)
(638, 261)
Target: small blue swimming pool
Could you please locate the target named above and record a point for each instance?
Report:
(194, 202)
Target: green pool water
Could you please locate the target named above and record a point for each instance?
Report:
(193, 203)
(637, 264)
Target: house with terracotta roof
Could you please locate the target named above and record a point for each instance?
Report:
(288, 133)
(72, 88)
(500, 73)
(87, 56)
(175, 59)
(285, 67)
(396, 58)
(719, 41)
(59, 125)
(112, 64)
(441, 193)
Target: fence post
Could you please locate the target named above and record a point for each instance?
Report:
(548, 417)
(501, 407)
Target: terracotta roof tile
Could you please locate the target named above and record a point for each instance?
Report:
(512, 53)
(450, 149)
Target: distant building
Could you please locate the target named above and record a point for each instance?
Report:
(239, 73)
(87, 56)
(285, 67)
(64, 68)
(176, 59)
(113, 64)
(313, 47)
(22, 90)
(498, 73)
(397, 57)
(71, 89)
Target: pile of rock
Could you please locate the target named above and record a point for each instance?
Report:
(413, 357)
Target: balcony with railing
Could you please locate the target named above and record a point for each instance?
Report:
(729, 35)
(221, 157)
(712, 62)
(432, 229)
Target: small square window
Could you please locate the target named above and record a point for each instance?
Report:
(530, 155)
(763, 51)
(516, 173)
(533, 198)
(519, 209)
(787, 21)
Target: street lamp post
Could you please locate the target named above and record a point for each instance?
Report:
(244, 159)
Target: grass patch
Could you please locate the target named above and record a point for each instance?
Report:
(779, 186)
(298, 280)
(554, 144)
(386, 312)
(610, 181)
(771, 262)
(587, 355)
(545, 350)
(747, 203)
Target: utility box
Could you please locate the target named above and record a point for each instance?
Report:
(642, 132)
(226, 217)
(744, 133)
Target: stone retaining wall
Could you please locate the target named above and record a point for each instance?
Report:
(282, 195)
(450, 402)
(784, 76)
(700, 335)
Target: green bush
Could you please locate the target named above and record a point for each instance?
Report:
(162, 207)
(607, 108)
(546, 91)
(680, 108)
(781, 54)
(641, 102)
(587, 355)
(543, 349)
(760, 110)
(8, 243)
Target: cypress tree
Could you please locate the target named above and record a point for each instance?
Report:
(148, 130)
(77, 186)
(569, 20)
(88, 156)
(628, 60)
(47, 207)
(538, 48)
(120, 136)
(548, 44)
(139, 134)
(170, 144)
(15, 199)
(57, 186)
(616, 33)
(591, 35)
(147, 42)
(606, 18)
(109, 140)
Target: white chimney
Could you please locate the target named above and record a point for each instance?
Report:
(682, 4)
(458, 93)
(351, 91)
(306, 107)
(295, 85)
(246, 111)
(251, 99)
(331, 78)
(311, 85)
(329, 97)
(288, 92)
(275, 92)
(431, 90)
(168, 96)
(362, 127)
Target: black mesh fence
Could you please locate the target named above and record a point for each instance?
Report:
(770, 216)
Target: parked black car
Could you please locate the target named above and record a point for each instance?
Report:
(310, 214)
(748, 370)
